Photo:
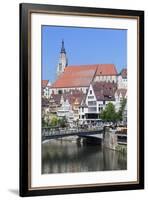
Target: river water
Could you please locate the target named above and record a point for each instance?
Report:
(71, 155)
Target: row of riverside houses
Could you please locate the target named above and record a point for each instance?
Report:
(82, 92)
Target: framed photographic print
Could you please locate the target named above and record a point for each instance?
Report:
(81, 99)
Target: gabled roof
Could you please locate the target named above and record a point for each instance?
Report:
(56, 98)
(45, 102)
(76, 76)
(82, 75)
(106, 69)
(104, 90)
(73, 95)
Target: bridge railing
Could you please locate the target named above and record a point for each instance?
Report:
(52, 132)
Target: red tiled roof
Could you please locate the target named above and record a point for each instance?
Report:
(72, 95)
(82, 75)
(44, 83)
(45, 102)
(106, 69)
(56, 97)
(104, 90)
(76, 76)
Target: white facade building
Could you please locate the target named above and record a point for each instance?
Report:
(96, 100)
(122, 82)
(107, 78)
(120, 94)
(46, 92)
(122, 79)
(65, 110)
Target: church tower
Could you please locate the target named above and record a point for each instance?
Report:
(63, 61)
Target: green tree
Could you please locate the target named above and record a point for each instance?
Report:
(109, 113)
(62, 122)
(44, 123)
(122, 107)
(54, 121)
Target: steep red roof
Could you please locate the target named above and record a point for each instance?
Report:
(104, 90)
(44, 83)
(76, 76)
(82, 75)
(56, 98)
(73, 95)
(106, 69)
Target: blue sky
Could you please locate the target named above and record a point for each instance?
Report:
(83, 46)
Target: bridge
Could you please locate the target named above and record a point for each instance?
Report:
(53, 134)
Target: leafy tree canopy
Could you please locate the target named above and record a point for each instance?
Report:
(54, 121)
(109, 113)
(62, 122)
(122, 107)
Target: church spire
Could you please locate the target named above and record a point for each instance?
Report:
(63, 61)
(63, 48)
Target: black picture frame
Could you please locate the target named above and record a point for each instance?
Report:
(25, 95)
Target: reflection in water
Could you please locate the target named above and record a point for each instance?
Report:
(61, 156)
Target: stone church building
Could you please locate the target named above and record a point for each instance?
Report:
(80, 76)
